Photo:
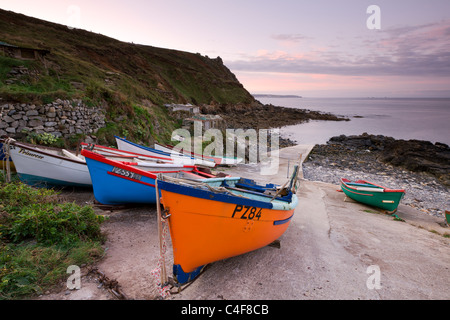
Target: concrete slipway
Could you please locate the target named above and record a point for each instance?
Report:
(328, 252)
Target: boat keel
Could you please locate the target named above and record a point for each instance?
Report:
(185, 277)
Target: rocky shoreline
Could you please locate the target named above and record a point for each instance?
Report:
(419, 167)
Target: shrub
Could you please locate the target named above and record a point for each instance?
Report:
(40, 237)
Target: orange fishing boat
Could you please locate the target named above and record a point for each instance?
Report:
(221, 218)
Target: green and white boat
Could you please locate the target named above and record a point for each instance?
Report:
(373, 194)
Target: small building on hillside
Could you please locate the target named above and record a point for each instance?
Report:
(183, 107)
(208, 121)
(12, 51)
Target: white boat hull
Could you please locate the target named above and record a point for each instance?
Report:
(41, 168)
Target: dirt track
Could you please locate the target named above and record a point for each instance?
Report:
(324, 254)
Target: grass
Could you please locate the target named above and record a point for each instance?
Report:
(123, 99)
(139, 72)
(40, 237)
(121, 77)
(371, 211)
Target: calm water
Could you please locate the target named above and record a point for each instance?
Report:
(422, 119)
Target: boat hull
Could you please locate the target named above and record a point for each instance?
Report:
(207, 227)
(116, 183)
(113, 188)
(40, 168)
(372, 194)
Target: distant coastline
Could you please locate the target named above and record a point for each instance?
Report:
(275, 96)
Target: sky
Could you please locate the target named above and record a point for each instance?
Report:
(322, 48)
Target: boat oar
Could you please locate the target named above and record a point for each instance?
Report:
(279, 190)
(292, 181)
(295, 174)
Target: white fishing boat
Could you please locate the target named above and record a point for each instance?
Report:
(45, 166)
(124, 144)
(124, 155)
(224, 161)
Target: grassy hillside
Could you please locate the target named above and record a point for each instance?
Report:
(132, 81)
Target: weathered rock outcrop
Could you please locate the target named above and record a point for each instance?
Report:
(368, 151)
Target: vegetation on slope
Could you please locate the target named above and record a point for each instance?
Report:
(40, 237)
(123, 77)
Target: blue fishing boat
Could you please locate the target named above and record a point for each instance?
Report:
(122, 182)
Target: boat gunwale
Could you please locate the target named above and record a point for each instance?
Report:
(35, 148)
(132, 154)
(226, 197)
(358, 193)
(163, 153)
(150, 174)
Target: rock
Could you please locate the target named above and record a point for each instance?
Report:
(8, 119)
(32, 113)
(35, 123)
(413, 155)
(418, 156)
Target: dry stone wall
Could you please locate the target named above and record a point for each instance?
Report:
(62, 118)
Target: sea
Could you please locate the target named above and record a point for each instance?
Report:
(401, 118)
